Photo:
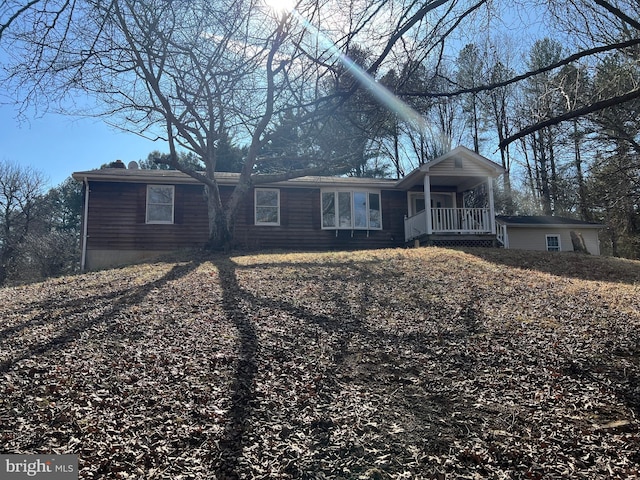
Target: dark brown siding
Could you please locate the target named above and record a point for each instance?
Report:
(117, 221)
(117, 218)
(300, 225)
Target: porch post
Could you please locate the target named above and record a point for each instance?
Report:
(492, 211)
(427, 203)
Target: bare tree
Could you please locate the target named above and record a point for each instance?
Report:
(21, 198)
(191, 72)
(593, 28)
(500, 109)
(470, 73)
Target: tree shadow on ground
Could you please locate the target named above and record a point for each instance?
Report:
(242, 389)
(85, 313)
(565, 264)
(367, 358)
(347, 325)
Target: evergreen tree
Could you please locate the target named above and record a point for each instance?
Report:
(470, 74)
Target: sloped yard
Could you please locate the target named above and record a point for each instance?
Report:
(426, 363)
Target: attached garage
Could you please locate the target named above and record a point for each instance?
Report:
(553, 234)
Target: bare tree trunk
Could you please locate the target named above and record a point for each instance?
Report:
(506, 181)
(476, 134)
(396, 150)
(582, 190)
(219, 233)
(530, 177)
(542, 175)
(553, 181)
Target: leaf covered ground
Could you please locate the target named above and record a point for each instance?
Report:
(419, 364)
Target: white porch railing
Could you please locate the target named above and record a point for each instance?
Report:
(502, 236)
(449, 220)
(415, 225)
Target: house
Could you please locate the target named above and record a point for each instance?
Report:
(131, 214)
(553, 234)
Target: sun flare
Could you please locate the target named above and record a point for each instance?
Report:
(281, 6)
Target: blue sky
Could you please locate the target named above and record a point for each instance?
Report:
(58, 145)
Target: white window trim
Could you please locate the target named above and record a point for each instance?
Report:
(255, 207)
(546, 241)
(173, 202)
(412, 197)
(335, 192)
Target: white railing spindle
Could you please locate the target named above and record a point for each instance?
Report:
(449, 220)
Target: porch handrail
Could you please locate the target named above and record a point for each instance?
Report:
(448, 220)
(502, 235)
(415, 225)
(461, 220)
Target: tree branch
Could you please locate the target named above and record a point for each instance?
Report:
(15, 16)
(524, 76)
(594, 107)
(172, 162)
(261, 179)
(419, 15)
(618, 13)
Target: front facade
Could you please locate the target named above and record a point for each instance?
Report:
(132, 214)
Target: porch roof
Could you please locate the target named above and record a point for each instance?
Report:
(527, 221)
(460, 167)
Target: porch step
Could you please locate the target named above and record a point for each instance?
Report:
(485, 241)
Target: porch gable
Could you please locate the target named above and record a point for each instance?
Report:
(458, 171)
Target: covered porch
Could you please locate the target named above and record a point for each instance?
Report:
(449, 220)
(459, 186)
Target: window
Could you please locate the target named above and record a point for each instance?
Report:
(160, 203)
(267, 206)
(553, 243)
(359, 210)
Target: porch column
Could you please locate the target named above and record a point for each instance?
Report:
(492, 211)
(427, 203)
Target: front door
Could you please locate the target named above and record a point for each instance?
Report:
(442, 200)
(441, 218)
(416, 203)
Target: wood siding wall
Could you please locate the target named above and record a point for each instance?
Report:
(300, 222)
(535, 238)
(117, 221)
(448, 167)
(117, 218)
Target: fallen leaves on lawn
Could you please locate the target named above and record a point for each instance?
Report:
(427, 363)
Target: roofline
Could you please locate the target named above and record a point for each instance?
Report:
(551, 225)
(319, 181)
(459, 150)
(228, 178)
(464, 151)
(116, 175)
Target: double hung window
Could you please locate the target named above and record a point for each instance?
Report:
(267, 206)
(553, 243)
(160, 203)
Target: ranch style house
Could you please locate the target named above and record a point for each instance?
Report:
(131, 214)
